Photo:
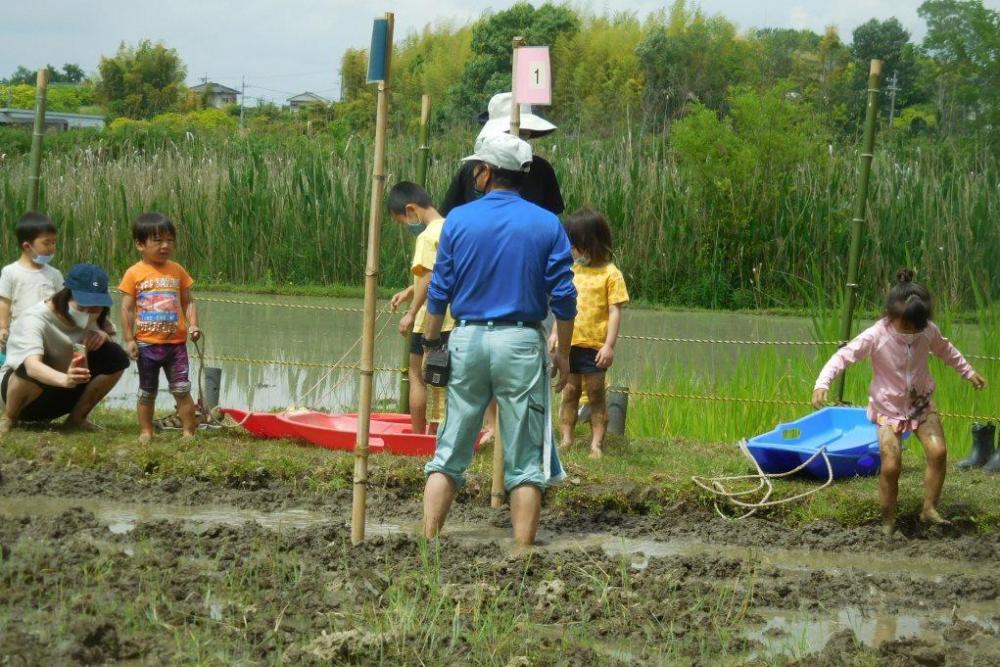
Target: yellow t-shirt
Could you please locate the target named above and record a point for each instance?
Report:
(596, 289)
(424, 257)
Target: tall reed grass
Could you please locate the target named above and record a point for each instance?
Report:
(295, 212)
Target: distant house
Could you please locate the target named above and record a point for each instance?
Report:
(216, 94)
(304, 100)
(53, 119)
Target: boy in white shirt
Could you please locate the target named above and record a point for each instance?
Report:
(30, 280)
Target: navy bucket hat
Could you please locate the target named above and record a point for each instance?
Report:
(88, 284)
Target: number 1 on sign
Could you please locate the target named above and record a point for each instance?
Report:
(539, 75)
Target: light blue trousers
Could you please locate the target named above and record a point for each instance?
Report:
(508, 363)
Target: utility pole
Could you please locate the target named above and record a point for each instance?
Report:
(892, 96)
(243, 92)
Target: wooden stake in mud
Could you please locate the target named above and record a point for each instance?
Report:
(497, 493)
(379, 61)
(857, 222)
(403, 404)
(35, 171)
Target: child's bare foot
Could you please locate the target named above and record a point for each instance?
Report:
(932, 518)
(145, 438)
(6, 425)
(889, 528)
(595, 452)
(565, 446)
(188, 436)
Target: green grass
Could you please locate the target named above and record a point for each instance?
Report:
(286, 212)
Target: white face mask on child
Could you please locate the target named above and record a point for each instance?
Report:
(81, 318)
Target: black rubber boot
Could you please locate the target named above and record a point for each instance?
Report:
(982, 447)
(993, 465)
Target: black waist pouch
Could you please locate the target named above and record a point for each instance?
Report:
(437, 367)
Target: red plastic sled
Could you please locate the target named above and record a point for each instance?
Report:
(261, 424)
(339, 431)
(389, 431)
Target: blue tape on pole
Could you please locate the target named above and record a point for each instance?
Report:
(377, 52)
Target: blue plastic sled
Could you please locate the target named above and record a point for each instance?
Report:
(849, 437)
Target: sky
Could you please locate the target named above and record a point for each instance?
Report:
(284, 47)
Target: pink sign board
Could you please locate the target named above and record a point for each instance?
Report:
(532, 75)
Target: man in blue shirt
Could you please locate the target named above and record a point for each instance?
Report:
(502, 262)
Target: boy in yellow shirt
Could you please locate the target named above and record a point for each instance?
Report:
(410, 205)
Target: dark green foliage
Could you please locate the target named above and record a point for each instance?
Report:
(141, 81)
(487, 72)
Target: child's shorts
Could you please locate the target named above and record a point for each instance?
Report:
(583, 361)
(173, 359)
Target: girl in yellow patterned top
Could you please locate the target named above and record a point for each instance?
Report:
(600, 295)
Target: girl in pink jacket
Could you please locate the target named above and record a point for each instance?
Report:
(899, 397)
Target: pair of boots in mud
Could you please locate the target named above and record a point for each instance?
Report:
(983, 455)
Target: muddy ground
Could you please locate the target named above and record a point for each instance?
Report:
(98, 568)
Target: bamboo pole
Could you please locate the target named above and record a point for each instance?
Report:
(367, 370)
(403, 404)
(857, 222)
(425, 149)
(497, 492)
(35, 170)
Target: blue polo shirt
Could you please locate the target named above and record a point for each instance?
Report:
(503, 258)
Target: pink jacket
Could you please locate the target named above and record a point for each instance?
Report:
(901, 381)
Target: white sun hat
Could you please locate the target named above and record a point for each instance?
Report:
(499, 118)
(503, 151)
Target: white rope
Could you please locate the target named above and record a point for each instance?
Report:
(714, 485)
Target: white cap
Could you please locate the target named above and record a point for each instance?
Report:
(503, 151)
(499, 118)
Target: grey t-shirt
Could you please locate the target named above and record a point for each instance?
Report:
(28, 287)
(39, 331)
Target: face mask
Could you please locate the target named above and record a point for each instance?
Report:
(81, 318)
(581, 260)
(415, 227)
(43, 259)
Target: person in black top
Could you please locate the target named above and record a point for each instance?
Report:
(540, 185)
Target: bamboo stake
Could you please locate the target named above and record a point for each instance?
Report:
(366, 370)
(857, 222)
(35, 170)
(497, 492)
(425, 149)
(403, 404)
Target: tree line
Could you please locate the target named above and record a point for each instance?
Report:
(616, 72)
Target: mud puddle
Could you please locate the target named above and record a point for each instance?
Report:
(794, 635)
(121, 517)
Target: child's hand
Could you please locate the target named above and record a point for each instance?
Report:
(398, 298)
(605, 357)
(76, 375)
(405, 324)
(132, 348)
(819, 397)
(978, 381)
(195, 334)
(95, 339)
(553, 343)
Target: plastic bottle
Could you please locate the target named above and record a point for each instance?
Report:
(437, 404)
(79, 356)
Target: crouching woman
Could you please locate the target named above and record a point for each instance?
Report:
(45, 376)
